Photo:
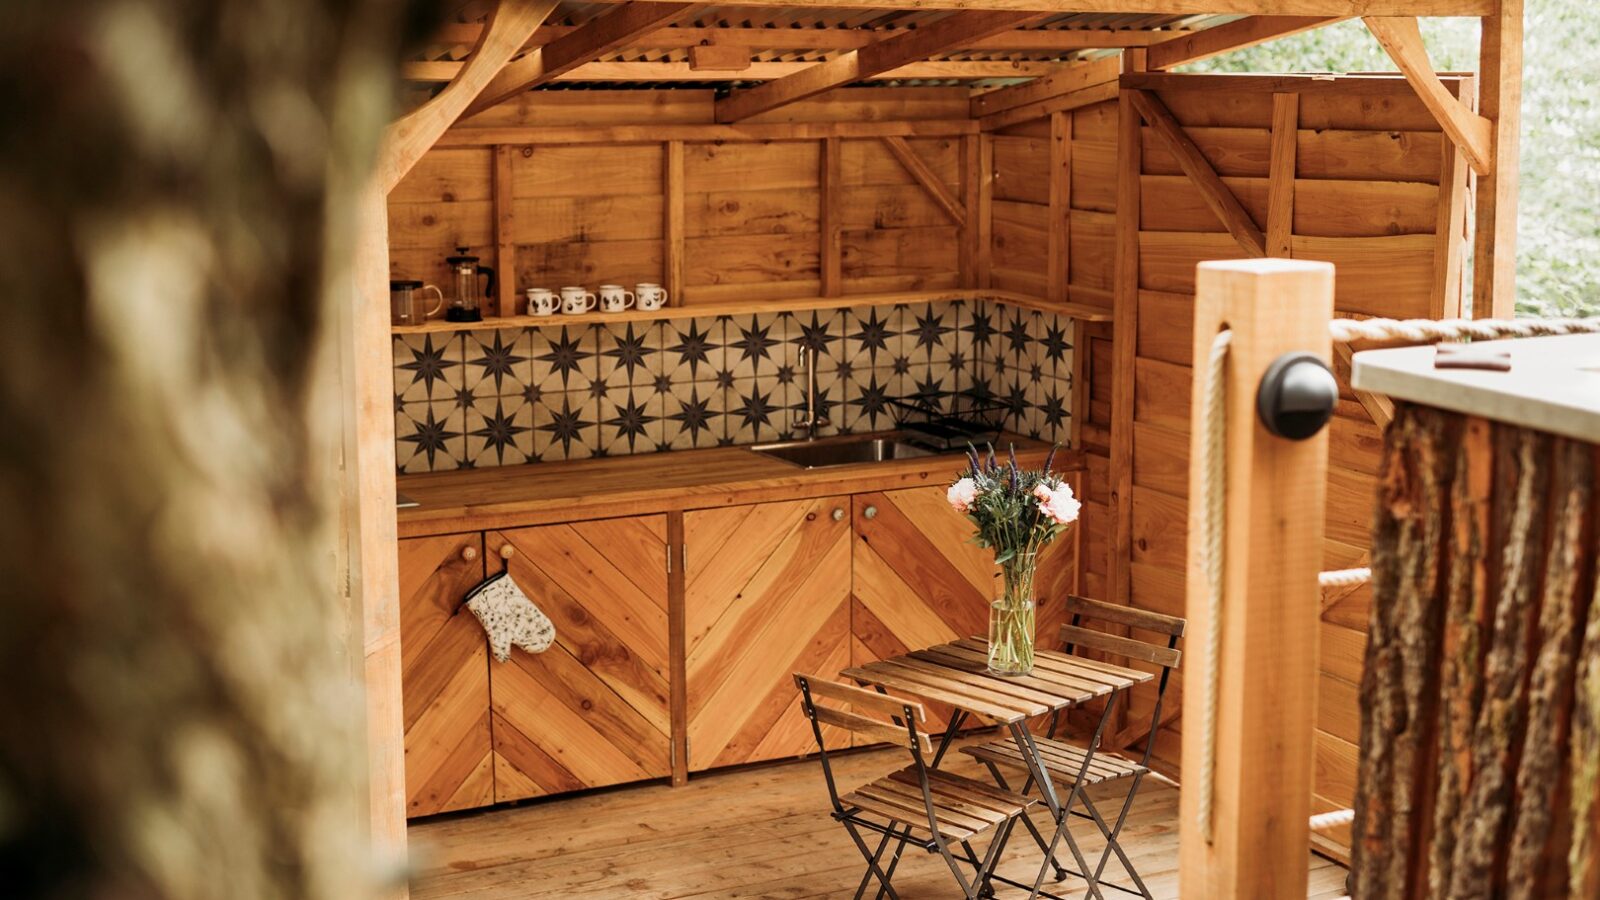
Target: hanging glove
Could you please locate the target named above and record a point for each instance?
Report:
(509, 618)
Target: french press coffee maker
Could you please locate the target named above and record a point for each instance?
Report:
(465, 270)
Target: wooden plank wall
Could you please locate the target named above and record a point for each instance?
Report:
(1377, 190)
(751, 224)
(1024, 187)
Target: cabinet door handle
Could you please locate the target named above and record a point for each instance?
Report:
(469, 553)
(838, 515)
(870, 512)
(507, 551)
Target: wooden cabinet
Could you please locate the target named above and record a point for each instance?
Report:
(767, 593)
(593, 709)
(444, 676)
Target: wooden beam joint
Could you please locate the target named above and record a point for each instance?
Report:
(929, 181)
(1401, 38)
(1235, 218)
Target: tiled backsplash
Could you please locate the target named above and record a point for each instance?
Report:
(551, 392)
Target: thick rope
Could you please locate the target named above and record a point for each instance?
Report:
(1344, 577)
(1330, 820)
(1428, 331)
(1213, 462)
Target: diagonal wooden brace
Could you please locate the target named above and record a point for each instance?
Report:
(1402, 39)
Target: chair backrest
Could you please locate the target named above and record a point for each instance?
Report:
(822, 700)
(816, 693)
(1166, 655)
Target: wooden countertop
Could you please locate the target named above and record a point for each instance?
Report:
(514, 496)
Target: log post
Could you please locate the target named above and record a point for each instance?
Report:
(1272, 529)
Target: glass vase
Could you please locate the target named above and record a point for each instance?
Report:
(1011, 619)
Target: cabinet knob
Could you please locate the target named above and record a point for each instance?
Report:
(469, 553)
(870, 512)
(507, 551)
(838, 514)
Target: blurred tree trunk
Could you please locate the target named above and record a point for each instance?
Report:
(180, 714)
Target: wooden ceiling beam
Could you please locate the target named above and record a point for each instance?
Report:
(1235, 218)
(874, 59)
(1402, 40)
(1235, 35)
(753, 71)
(604, 35)
(1171, 7)
(785, 38)
(406, 140)
(1063, 79)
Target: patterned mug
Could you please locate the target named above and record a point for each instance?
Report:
(615, 298)
(575, 300)
(541, 302)
(650, 296)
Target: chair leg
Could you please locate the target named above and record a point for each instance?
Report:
(1112, 835)
(894, 859)
(1027, 820)
(872, 860)
(866, 877)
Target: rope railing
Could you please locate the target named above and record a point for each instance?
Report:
(1427, 331)
(1328, 821)
(1213, 462)
(1344, 577)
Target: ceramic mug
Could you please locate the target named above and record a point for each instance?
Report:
(615, 298)
(651, 296)
(541, 302)
(576, 300)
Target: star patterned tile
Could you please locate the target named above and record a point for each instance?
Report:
(565, 357)
(498, 363)
(629, 354)
(630, 421)
(499, 432)
(867, 396)
(430, 436)
(566, 426)
(427, 367)
(692, 349)
(755, 344)
(821, 331)
(871, 337)
(695, 415)
(757, 410)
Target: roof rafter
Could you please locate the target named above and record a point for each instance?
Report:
(790, 38)
(605, 34)
(1176, 7)
(754, 71)
(873, 59)
(510, 25)
(1402, 39)
(1235, 35)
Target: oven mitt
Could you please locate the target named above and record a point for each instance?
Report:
(509, 617)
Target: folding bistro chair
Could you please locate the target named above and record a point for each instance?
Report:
(917, 805)
(1075, 768)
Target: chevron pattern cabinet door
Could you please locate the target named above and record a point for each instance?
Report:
(444, 677)
(767, 590)
(920, 581)
(593, 709)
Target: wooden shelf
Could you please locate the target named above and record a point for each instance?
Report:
(747, 307)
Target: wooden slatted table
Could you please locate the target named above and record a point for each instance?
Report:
(957, 674)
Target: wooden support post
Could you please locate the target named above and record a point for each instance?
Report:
(985, 209)
(1494, 274)
(1058, 267)
(505, 243)
(1272, 534)
(1451, 225)
(672, 228)
(832, 238)
(970, 178)
(1124, 341)
(366, 363)
(677, 637)
(1280, 188)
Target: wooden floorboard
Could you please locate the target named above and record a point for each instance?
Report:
(755, 832)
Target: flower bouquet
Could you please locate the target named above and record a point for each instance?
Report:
(1016, 512)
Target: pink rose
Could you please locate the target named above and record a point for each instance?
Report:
(1061, 506)
(1041, 492)
(962, 494)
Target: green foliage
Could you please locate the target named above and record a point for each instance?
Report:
(1009, 519)
(1558, 257)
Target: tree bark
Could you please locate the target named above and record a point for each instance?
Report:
(181, 716)
(1399, 689)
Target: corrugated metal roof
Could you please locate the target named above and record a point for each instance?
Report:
(832, 20)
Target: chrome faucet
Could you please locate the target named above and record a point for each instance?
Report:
(809, 419)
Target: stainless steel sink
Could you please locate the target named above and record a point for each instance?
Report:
(842, 451)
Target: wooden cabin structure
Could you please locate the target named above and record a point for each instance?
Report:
(1017, 191)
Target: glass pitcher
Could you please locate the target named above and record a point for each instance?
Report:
(464, 274)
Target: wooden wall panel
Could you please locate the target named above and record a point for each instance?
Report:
(1368, 197)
